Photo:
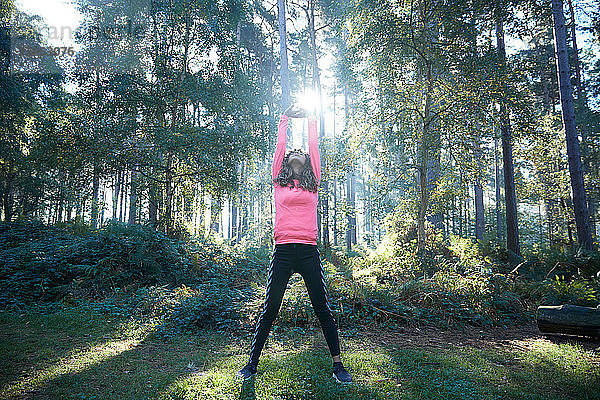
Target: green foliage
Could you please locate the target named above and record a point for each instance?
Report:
(49, 263)
(470, 253)
(129, 270)
(587, 262)
(210, 306)
(461, 280)
(578, 291)
(192, 284)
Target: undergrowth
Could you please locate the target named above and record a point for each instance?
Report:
(199, 283)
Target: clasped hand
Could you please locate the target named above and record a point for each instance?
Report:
(294, 111)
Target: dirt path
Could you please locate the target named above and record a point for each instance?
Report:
(515, 336)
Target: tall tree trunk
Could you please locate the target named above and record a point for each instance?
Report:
(123, 208)
(215, 213)
(96, 176)
(247, 213)
(233, 218)
(169, 172)
(238, 206)
(354, 230)
(350, 179)
(284, 71)
(153, 203)
(134, 187)
(133, 200)
(103, 197)
(580, 208)
(246, 204)
(78, 204)
(497, 187)
(582, 100)
(433, 148)
(566, 216)
(429, 154)
(368, 207)
(5, 57)
(116, 191)
(540, 56)
(512, 225)
(453, 215)
(201, 212)
(335, 211)
(479, 214)
(478, 190)
(61, 196)
(168, 222)
(335, 180)
(424, 157)
(578, 79)
(550, 218)
(349, 200)
(324, 190)
(5, 39)
(95, 194)
(479, 177)
(8, 193)
(466, 207)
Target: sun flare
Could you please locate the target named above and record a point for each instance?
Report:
(308, 99)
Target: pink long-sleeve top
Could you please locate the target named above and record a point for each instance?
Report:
(296, 208)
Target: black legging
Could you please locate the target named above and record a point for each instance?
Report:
(287, 259)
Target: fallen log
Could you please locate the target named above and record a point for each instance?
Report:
(569, 319)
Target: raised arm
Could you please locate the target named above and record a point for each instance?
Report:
(313, 147)
(281, 143)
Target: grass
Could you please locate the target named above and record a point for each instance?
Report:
(80, 355)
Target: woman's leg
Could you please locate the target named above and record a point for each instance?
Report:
(280, 270)
(311, 269)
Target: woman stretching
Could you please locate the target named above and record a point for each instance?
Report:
(296, 177)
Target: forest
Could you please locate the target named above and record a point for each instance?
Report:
(142, 213)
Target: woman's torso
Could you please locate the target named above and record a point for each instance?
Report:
(295, 215)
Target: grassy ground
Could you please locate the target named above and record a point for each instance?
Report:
(77, 355)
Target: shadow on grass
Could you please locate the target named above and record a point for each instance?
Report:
(472, 373)
(584, 341)
(118, 365)
(124, 366)
(45, 338)
(307, 374)
(455, 372)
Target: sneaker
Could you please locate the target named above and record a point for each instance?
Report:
(340, 374)
(247, 372)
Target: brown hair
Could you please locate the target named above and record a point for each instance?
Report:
(307, 179)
